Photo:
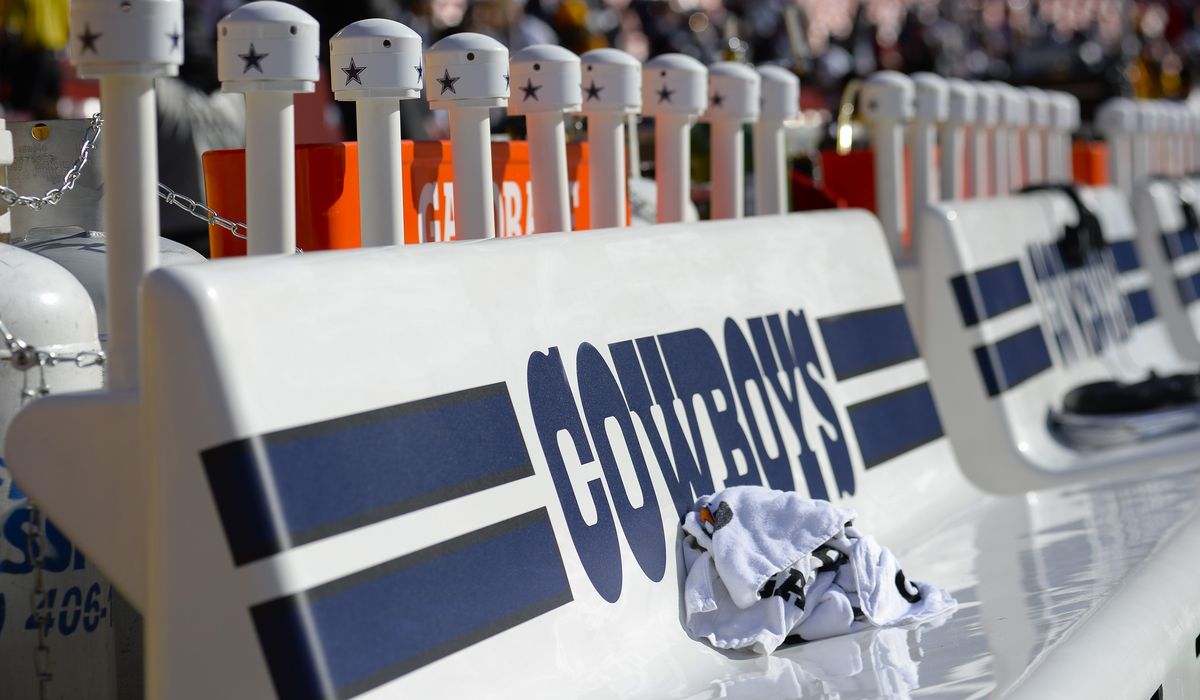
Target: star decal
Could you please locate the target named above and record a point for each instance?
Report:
(353, 71)
(88, 40)
(421, 72)
(175, 36)
(664, 95)
(717, 99)
(530, 90)
(447, 82)
(593, 92)
(253, 60)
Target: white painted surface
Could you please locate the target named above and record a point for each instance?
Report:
(376, 63)
(781, 102)
(675, 93)
(612, 95)
(549, 80)
(468, 77)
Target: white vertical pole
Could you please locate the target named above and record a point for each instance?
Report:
(1116, 119)
(780, 103)
(467, 75)
(375, 63)
(548, 79)
(1142, 142)
(268, 52)
(606, 179)
(770, 168)
(1194, 121)
(888, 98)
(130, 174)
(954, 138)
(612, 96)
(735, 97)
(471, 156)
(1035, 147)
(548, 171)
(675, 93)
(933, 108)
(380, 172)
(270, 172)
(986, 117)
(728, 164)
(672, 144)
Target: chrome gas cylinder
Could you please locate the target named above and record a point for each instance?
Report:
(56, 623)
(70, 232)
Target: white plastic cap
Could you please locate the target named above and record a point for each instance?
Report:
(376, 58)
(1040, 116)
(780, 92)
(987, 104)
(889, 96)
(1148, 117)
(468, 70)
(1064, 111)
(734, 91)
(545, 78)
(267, 45)
(674, 84)
(962, 102)
(137, 37)
(612, 82)
(1117, 116)
(933, 97)
(1014, 105)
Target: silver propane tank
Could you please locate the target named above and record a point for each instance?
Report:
(56, 625)
(70, 232)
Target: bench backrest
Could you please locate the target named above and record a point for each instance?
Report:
(1170, 246)
(1125, 279)
(1011, 330)
(459, 469)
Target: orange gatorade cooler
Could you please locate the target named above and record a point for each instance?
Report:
(327, 187)
(1089, 161)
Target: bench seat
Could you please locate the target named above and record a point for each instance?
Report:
(1053, 588)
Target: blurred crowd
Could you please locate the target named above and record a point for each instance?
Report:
(1096, 48)
(1093, 48)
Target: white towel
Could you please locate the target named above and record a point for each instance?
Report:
(767, 567)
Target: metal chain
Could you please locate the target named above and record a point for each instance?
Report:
(25, 357)
(198, 210)
(13, 199)
(43, 660)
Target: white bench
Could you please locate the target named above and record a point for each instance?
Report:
(1004, 338)
(1126, 277)
(1171, 250)
(447, 471)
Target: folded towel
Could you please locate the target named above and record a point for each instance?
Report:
(768, 567)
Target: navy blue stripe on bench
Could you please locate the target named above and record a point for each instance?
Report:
(356, 633)
(1125, 256)
(888, 426)
(1188, 287)
(299, 485)
(1018, 357)
(1141, 305)
(1179, 243)
(864, 341)
(1001, 288)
